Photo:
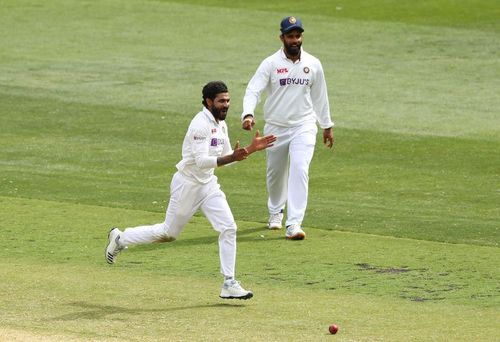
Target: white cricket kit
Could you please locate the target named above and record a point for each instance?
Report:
(194, 186)
(296, 92)
(297, 98)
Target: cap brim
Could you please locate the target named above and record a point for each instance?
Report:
(293, 27)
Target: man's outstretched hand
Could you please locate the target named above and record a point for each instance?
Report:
(240, 153)
(260, 142)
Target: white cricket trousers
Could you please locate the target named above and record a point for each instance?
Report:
(186, 197)
(288, 169)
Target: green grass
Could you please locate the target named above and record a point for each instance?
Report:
(402, 223)
(466, 13)
(373, 287)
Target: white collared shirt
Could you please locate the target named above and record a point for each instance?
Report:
(296, 92)
(205, 140)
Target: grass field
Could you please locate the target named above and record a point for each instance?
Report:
(403, 217)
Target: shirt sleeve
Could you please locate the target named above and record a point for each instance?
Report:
(200, 140)
(255, 87)
(319, 97)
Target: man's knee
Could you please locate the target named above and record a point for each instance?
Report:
(229, 231)
(165, 235)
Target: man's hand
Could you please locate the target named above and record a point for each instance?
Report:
(259, 143)
(328, 137)
(248, 122)
(239, 153)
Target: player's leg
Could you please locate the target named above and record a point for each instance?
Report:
(184, 201)
(301, 153)
(217, 211)
(277, 174)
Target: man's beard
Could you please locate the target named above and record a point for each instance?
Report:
(219, 114)
(293, 50)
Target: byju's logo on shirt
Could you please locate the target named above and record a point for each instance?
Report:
(293, 80)
(215, 142)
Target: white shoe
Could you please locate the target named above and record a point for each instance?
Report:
(294, 232)
(275, 220)
(231, 289)
(113, 248)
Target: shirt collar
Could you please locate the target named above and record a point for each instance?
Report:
(283, 55)
(209, 115)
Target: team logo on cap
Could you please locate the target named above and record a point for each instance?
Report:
(306, 70)
(292, 20)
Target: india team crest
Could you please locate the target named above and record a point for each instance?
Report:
(306, 70)
(292, 20)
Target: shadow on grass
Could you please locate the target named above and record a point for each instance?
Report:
(242, 235)
(96, 311)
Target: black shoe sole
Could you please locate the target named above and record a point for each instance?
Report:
(245, 297)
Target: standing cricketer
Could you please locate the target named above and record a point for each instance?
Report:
(297, 99)
(194, 186)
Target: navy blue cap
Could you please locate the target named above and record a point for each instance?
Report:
(291, 23)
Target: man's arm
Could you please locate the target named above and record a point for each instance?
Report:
(237, 155)
(199, 143)
(253, 92)
(258, 143)
(319, 97)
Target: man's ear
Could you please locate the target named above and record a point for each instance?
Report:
(209, 102)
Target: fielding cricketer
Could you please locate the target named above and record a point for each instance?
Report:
(194, 186)
(296, 99)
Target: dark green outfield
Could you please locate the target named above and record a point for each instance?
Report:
(420, 187)
(480, 14)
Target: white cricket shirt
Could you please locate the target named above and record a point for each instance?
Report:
(205, 140)
(296, 92)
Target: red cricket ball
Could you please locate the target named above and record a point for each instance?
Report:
(333, 329)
